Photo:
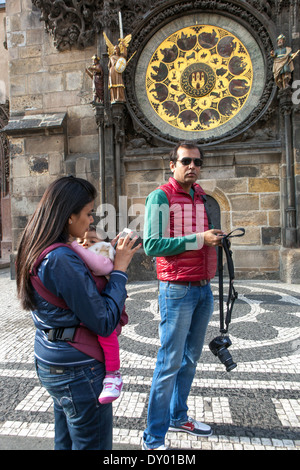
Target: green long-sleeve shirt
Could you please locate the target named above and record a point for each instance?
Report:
(156, 222)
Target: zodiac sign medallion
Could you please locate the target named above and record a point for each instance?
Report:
(199, 78)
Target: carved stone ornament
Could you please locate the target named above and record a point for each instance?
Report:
(75, 23)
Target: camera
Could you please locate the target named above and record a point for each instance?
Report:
(219, 347)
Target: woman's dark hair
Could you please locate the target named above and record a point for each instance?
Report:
(186, 145)
(49, 224)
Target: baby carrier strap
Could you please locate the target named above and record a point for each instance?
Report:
(80, 337)
(37, 283)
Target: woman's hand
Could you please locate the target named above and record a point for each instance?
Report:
(125, 252)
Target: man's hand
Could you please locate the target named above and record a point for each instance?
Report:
(212, 237)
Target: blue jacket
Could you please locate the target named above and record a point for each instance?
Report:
(64, 273)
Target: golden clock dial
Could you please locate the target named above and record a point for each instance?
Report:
(199, 78)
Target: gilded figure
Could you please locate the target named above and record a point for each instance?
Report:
(116, 66)
(283, 63)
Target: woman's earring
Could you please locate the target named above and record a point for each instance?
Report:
(70, 222)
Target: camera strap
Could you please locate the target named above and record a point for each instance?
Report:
(232, 293)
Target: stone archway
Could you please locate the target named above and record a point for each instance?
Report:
(219, 208)
(214, 211)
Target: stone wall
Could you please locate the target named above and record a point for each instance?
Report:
(44, 85)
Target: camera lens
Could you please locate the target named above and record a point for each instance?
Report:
(218, 347)
(226, 359)
(230, 365)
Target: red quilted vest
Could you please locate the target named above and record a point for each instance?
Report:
(187, 216)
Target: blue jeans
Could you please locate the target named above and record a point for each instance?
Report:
(185, 314)
(81, 423)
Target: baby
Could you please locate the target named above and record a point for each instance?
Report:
(103, 248)
(99, 256)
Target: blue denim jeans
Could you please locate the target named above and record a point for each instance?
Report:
(185, 314)
(81, 423)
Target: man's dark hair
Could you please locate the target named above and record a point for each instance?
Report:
(186, 145)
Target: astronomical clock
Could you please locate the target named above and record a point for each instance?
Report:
(200, 77)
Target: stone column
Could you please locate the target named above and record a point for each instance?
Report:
(296, 148)
(289, 254)
(119, 134)
(110, 121)
(100, 119)
(290, 231)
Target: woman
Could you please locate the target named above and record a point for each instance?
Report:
(73, 379)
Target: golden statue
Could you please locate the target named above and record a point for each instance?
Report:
(116, 65)
(283, 63)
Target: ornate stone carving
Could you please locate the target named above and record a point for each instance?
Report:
(281, 4)
(74, 23)
(285, 101)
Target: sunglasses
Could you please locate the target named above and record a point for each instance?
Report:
(187, 161)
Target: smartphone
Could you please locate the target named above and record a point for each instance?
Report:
(126, 231)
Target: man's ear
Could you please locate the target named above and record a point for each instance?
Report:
(172, 166)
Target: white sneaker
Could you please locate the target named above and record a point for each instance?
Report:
(112, 386)
(145, 447)
(193, 427)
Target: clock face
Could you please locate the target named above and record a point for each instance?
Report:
(200, 77)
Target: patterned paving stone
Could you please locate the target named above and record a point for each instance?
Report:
(254, 407)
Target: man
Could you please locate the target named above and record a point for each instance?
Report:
(283, 65)
(177, 233)
(95, 72)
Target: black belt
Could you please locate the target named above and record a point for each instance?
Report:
(201, 283)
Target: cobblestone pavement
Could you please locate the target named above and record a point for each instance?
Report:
(254, 407)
